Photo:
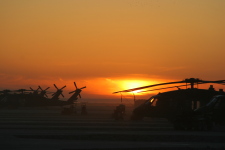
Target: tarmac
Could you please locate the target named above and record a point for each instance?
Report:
(45, 128)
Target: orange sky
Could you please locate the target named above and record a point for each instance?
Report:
(109, 45)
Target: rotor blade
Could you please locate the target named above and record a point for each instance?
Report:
(40, 87)
(46, 88)
(22, 90)
(79, 95)
(31, 89)
(46, 95)
(72, 92)
(62, 95)
(192, 81)
(75, 84)
(163, 88)
(83, 87)
(218, 81)
(63, 87)
(144, 87)
(221, 82)
(55, 86)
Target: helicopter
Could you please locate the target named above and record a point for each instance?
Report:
(73, 98)
(35, 92)
(4, 94)
(13, 98)
(35, 99)
(76, 93)
(43, 92)
(175, 103)
(204, 117)
(43, 100)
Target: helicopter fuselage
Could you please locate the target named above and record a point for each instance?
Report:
(172, 103)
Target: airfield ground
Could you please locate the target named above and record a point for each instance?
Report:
(44, 128)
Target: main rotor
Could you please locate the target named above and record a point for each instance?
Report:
(188, 81)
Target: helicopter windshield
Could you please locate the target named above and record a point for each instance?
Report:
(220, 102)
(153, 101)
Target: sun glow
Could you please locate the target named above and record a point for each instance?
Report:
(129, 84)
(138, 91)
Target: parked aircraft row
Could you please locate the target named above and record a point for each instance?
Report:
(38, 97)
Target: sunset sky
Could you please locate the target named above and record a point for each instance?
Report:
(109, 45)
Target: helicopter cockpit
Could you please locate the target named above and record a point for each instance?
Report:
(152, 101)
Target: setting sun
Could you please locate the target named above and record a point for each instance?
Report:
(129, 84)
(109, 46)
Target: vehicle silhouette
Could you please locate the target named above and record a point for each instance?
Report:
(176, 104)
(25, 98)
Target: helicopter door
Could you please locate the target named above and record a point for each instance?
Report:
(159, 108)
(219, 110)
(195, 104)
(154, 102)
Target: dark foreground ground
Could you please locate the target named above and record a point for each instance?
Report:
(46, 129)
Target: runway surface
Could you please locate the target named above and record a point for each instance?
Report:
(46, 129)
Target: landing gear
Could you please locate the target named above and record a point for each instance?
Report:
(83, 109)
(119, 112)
(69, 111)
(198, 123)
(204, 125)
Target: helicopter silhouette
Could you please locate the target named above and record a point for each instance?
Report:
(73, 98)
(76, 93)
(204, 117)
(43, 92)
(13, 98)
(35, 92)
(19, 98)
(55, 96)
(172, 104)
